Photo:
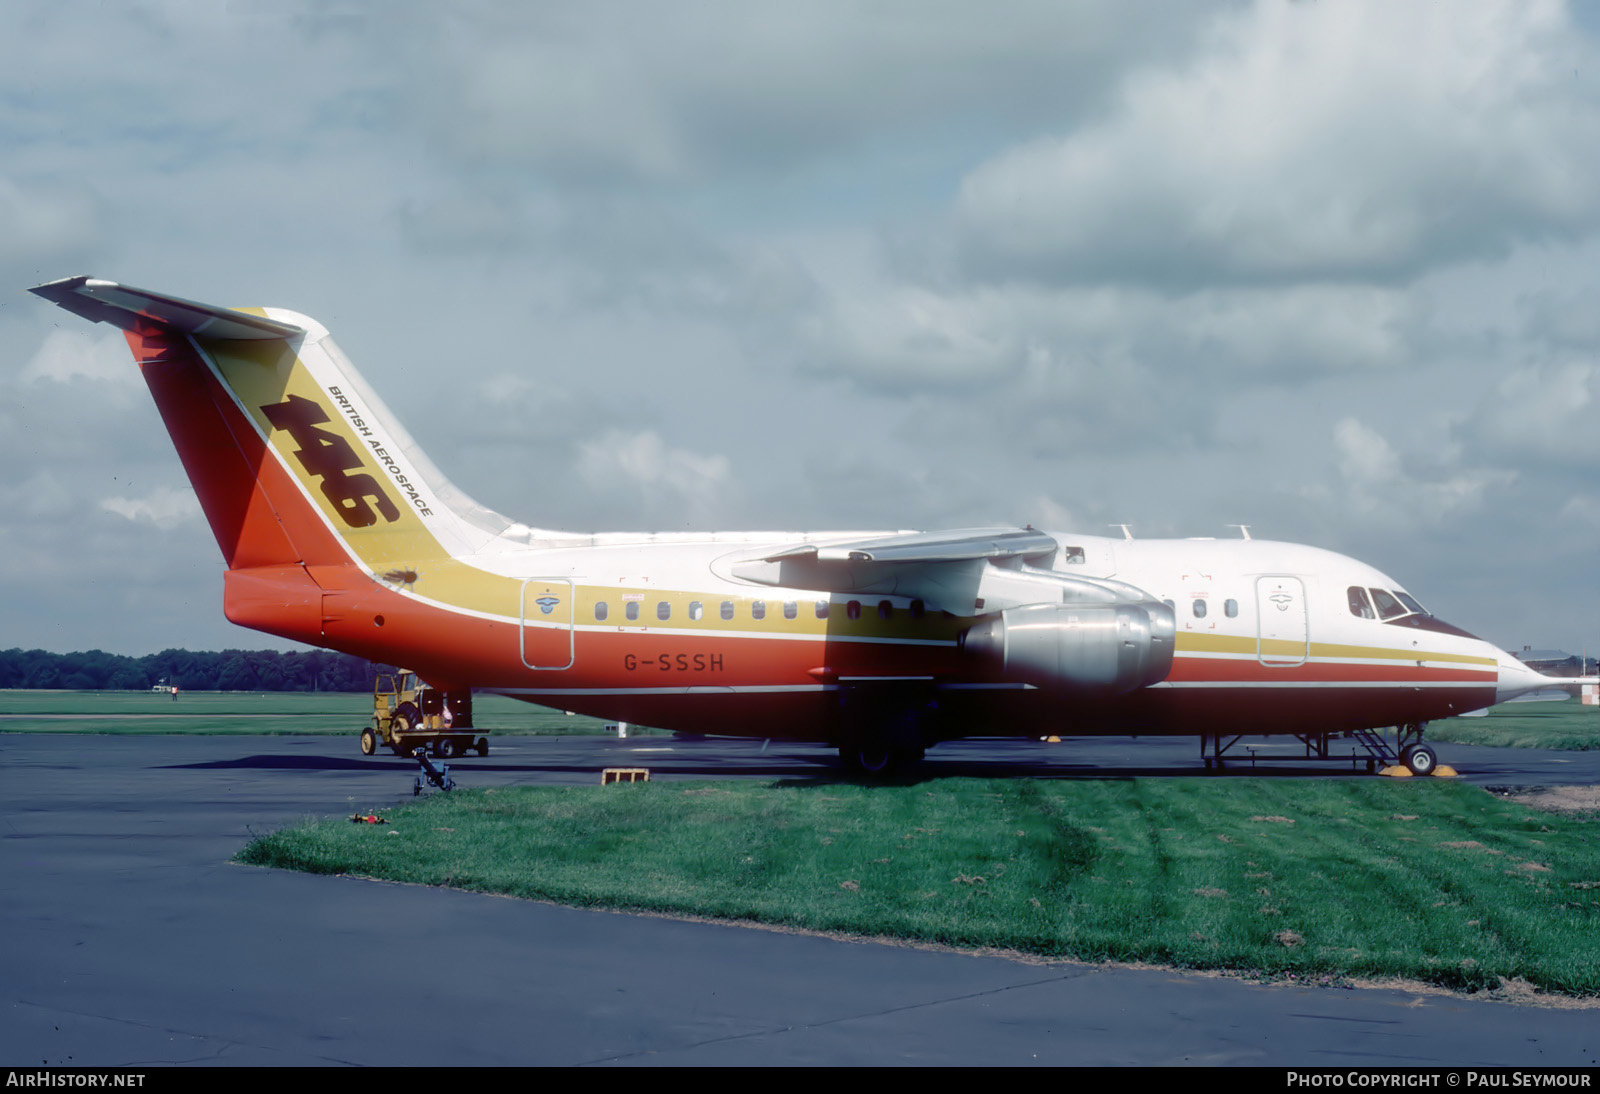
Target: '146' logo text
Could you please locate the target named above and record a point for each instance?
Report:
(328, 456)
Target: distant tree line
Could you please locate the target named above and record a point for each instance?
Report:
(189, 670)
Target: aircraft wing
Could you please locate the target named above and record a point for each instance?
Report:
(946, 569)
(965, 545)
(130, 309)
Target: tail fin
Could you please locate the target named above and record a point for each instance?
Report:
(297, 465)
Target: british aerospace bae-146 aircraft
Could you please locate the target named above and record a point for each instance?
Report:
(339, 532)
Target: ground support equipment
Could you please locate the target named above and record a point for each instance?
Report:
(1406, 754)
(438, 776)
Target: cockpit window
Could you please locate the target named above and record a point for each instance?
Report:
(1388, 606)
(1360, 606)
(1409, 601)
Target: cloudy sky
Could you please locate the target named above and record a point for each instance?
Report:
(1329, 269)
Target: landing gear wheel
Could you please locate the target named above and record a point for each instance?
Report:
(1420, 759)
(369, 742)
(874, 759)
(483, 746)
(868, 759)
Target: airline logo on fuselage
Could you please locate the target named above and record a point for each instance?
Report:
(326, 455)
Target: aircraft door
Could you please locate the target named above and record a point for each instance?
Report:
(546, 631)
(1284, 637)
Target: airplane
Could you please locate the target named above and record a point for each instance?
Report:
(338, 532)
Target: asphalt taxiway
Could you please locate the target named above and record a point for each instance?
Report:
(130, 940)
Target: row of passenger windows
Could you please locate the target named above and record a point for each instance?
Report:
(758, 610)
(1230, 608)
(1383, 604)
(1388, 606)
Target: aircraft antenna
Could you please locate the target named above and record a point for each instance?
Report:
(1125, 533)
(1244, 529)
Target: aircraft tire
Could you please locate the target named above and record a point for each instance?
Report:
(1421, 759)
(866, 759)
(877, 760)
(369, 742)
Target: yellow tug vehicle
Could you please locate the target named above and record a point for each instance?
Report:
(408, 714)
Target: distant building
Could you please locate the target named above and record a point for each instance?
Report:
(1554, 662)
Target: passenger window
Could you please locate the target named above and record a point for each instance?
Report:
(1388, 606)
(853, 609)
(790, 609)
(1230, 608)
(663, 610)
(727, 609)
(1199, 609)
(696, 610)
(822, 609)
(632, 610)
(885, 609)
(600, 609)
(758, 609)
(1360, 606)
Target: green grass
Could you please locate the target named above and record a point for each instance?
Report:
(250, 712)
(1565, 724)
(1426, 879)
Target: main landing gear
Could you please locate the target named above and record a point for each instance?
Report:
(884, 732)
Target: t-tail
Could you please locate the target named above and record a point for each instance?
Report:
(320, 501)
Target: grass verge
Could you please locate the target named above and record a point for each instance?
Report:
(1427, 879)
(1564, 724)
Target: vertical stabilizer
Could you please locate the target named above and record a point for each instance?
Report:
(313, 491)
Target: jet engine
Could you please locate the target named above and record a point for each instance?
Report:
(1088, 649)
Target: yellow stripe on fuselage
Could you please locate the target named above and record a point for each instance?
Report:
(1191, 643)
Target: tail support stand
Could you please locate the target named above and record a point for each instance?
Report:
(438, 776)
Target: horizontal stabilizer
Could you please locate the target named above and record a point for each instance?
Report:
(134, 309)
(967, 545)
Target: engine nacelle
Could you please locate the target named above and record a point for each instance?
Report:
(1090, 649)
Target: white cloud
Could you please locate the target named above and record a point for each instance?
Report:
(1546, 414)
(82, 353)
(1051, 515)
(45, 224)
(1583, 509)
(1378, 486)
(1307, 140)
(1364, 456)
(631, 93)
(164, 508)
(642, 461)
